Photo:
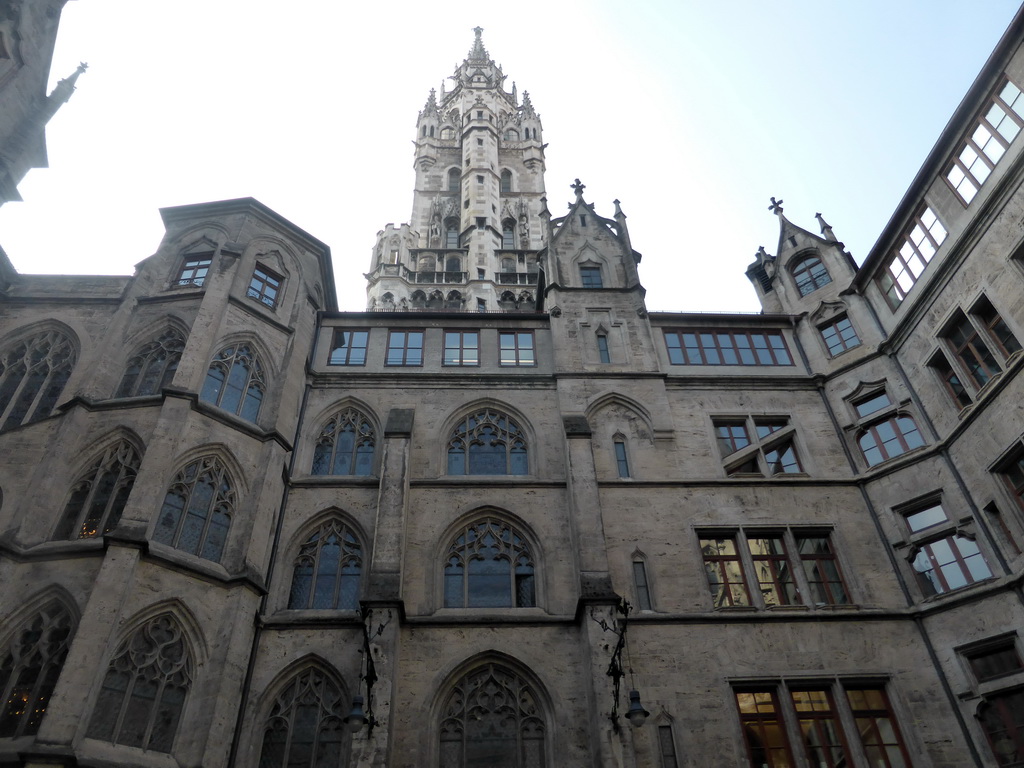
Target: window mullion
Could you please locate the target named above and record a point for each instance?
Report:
(749, 570)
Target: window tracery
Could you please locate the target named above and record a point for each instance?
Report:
(489, 565)
(305, 727)
(235, 382)
(327, 569)
(492, 717)
(98, 498)
(487, 442)
(197, 510)
(345, 446)
(32, 662)
(144, 690)
(153, 366)
(32, 376)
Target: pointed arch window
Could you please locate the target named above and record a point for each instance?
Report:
(31, 663)
(144, 690)
(489, 565)
(32, 376)
(506, 182)
(99, 497)
(487, 442)
(152, 367)
(810, 274)
(235, 382)
(345, 445)
(454, 175)
(197, 510)
(508, 235)
(492, 717)
(305, 727)
(327, 570)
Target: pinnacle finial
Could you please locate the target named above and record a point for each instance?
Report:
(776, 207)
(579, 186)
(826, 229)
(478, 51)
(618, 209)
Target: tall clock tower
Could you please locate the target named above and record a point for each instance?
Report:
(475, 231)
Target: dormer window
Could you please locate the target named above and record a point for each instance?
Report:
(590, 277)
(810, 274)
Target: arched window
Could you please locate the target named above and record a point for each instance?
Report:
(454, 176)
(32, 376)
(197, 510)
(98, 498)
(506, 182)
(31, 663)
(305, 728)
(487, 443)
(453, 264)
(451, 234)
(144, 690)
(492, 717)
(327, 570)
(448, 134)
(810, 275)
(887, 439)
(345, 445)
(235, 382)
(453, 300)
(489, 565)
(508, 235)
(152, 367)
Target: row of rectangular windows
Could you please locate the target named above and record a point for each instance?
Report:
(405, 348)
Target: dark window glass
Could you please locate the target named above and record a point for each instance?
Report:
(29, 667)
(264, 286)
(821, 569)
(516, 349)
(345, 445)
(197, 510)
(951, 380)
(590, 277)
(152, 367)
(32, 376)
(405, 348)
(506, 182)
(461, 348)
(667, 747)
(489, 565)
(98, 498)
(235, 382)
(968, 345)
(487, 443)
(1002, 717)
(305, 727)
(877, 729)
(810, 275)
(727, 348)
(602, 348)
(763, 731)
(621, 459)
(194, 270)
(839, 336)
(492, 719)
(995, 662)
(144, 690)
(643, 591)
(327, 570)
(348, 347)
(823, 741)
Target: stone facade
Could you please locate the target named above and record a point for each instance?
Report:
(230, 510)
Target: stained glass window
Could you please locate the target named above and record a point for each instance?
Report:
(197, 510)
(327, 569)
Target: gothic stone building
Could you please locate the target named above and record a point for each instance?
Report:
(240, 527)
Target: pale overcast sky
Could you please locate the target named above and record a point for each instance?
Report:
(692, 114)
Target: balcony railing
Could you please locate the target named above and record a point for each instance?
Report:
(515, 278)
(439, 277)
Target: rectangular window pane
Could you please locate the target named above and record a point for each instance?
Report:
(724, 572)
(461, 348)
(348, 348)
(821, 570)
(621, 460)
(643, 593)
(690, 347)
(823, 741)
(772, 570)
(763, 731)
(405, 348)
(876, 727)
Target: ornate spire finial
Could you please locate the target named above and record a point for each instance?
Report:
(826, 230)
(579, 186)
(776, 207)
(762, 255)
(478, 51)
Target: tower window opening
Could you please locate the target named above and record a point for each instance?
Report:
(479, 179)
(506, 182)
(423, 131)
(583, 220)
(479, 115)
(602, 348)
(479, 142)
(453, 180)
(431, 131)
(508, 239)
(451, 235)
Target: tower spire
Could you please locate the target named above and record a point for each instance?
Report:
(478, 52)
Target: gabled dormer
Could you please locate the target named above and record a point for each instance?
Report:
(806, 269)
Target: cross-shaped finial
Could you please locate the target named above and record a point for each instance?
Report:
(776, 206)
(579, 186)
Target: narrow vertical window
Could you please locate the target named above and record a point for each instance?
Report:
(197, 510)
(602, 348)
(29, 668)
(451, 234)
(643, 590)
(821, 569)
(508, 236)
(950, 379)
(667, 747)
(877, 728)
(763, 730)
(305, 728)
(235, 382)
(621, 459)
(824, 744)
(144, 690)
(506, 182)
(453, 176)
(724, 571)
(969, 346)
(1002, 717)
(772, 570)
(99, 497)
